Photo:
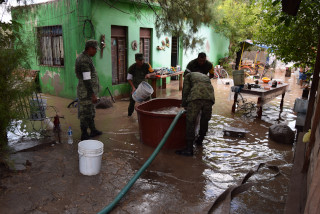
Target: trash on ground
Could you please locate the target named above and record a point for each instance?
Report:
(234, 132)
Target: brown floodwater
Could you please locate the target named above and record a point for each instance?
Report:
(228, 159)
(172, 183)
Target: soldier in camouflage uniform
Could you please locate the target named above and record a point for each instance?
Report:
(201, 64)
(197, 96)
(87, 90)
(137, 73)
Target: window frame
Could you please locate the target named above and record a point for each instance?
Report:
(55, 31)
(119, 32)
(145, 33)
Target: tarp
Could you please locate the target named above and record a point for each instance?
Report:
(259, 45)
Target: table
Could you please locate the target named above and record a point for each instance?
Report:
(264, 96)
(164, 83)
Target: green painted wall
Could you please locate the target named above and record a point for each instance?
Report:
(215, 46)
(103, 18)
(61, 81)
(56, 80)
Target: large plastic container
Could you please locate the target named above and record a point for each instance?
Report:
(90, 154)
(143, 92)
(153, 126)
(301, 105)
(238, 77)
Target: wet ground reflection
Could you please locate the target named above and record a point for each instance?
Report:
(229, 159)
(172, 183)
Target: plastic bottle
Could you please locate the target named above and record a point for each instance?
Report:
(70, 139)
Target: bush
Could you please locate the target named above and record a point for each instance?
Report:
(12, 79)
(225, 63)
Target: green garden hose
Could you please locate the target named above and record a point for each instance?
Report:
(122, 193)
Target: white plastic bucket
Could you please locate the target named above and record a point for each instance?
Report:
(143, 92)
(90, 154)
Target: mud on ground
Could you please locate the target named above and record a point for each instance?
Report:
(51, 182)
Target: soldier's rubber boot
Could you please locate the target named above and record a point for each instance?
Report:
(131, 107)
(94, 132)
(199, 140)
(187, 151)
(84, 132)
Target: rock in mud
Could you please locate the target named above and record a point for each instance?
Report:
(281, 133)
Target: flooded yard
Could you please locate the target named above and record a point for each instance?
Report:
(172, 183)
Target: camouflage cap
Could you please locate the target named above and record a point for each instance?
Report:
(139, 56)
(92, 43)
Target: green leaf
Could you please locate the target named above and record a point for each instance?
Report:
(275, 2)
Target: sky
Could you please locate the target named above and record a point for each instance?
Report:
(5, 16)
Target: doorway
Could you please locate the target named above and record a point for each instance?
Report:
(119, 54)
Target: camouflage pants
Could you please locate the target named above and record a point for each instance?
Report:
(193, 109)
(86, 114)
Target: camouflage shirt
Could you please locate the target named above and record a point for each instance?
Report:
(88, 78)
(139, 74)
(197, 86)
(206, 68)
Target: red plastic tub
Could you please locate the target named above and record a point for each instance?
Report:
(153, 126)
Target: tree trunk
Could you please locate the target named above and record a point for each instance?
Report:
(3, 142)
(239, 56)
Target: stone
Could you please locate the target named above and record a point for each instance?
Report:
(281, 133)
(104, 103)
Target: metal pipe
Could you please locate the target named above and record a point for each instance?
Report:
(122, 193)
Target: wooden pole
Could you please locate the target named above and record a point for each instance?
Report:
(313, 91)
(312, 97)
(241, 56)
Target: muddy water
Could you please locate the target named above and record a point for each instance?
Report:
(231, 158)
(167, 110)
(228, 159)
(172, 183)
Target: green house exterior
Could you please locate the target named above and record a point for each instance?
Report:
(89, 19)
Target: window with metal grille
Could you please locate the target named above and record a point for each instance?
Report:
(119, 54)
(175, 51)
(50, 49)
(145, 46)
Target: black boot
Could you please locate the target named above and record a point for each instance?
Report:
(84, 132)
(199, 140)
(187, 151)
(131, 108)
(84, 135)
(94, 132)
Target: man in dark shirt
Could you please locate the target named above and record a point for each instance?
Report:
(137, 73)
(201, 64)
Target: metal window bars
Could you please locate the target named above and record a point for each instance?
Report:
(51, 45)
